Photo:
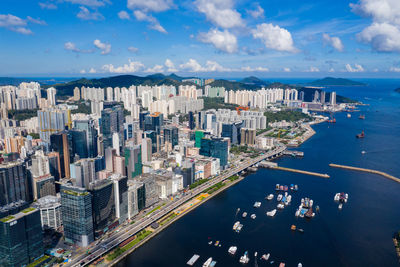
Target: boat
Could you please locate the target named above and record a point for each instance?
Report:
(297, 213)
(360, 135)
(309, 213)
(239, 228)
(213, 263)
(317, 208)
(348, 115)
(299, 265)
(337, 197)
(282, 264)
(253, 216)
(232, 250)
(207, 262)
(291, 186)
(363, 152)
(235, 226)
(279, 197)
(265, 257)
(216, 243)
(245, 258)
(244, 215)
(286, 188)
(300, 230)
(296, 187)
(270, 196)
(340, 206)
(257, 204)
(280, 206)
(271, 213)
(193, 260)
(210, 243)
(293, 227)
(277, 187)
(362, 117)
(255, 254)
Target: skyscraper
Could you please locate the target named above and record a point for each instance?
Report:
(171, 135)
(76, 207)
(78, 142)
(84, 172)
(323, 97)
(154, 122)
(333, 98)
(91, 135)
(59, 143)
(216, 148)
(53, 120)
(232, 131)
(14, 184)
(112, 121)
(133, 161)
(120, 184)
(191, 120)
(51, 96)
(21, 238)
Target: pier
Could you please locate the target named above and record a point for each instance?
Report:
(293, 153)
(301, 171)
(384, 174)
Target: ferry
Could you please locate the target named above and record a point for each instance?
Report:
(245, 258)
(232, 250)
(244, 215)
(270, 197)
(193, 260)
(265, 257)
(253, 216)
(207, 262)
(360, 135)
(257, 204)
(271, 213)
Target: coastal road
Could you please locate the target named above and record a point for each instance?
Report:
(124, 233)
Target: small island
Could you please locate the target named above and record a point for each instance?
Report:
(330, 81)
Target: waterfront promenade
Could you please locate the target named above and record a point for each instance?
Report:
(108, 244)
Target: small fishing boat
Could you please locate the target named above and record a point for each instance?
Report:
(232, 250)
(265, 257)
(270, 197)
(271, 213)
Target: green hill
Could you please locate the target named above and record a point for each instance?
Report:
(330, 81)
(254, 80)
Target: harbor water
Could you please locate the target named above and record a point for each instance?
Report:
(358, 235)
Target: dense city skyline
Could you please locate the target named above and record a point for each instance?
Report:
(201, 38)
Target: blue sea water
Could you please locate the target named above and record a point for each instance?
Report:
(358, 235)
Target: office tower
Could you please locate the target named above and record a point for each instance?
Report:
(91, 135)
(146, 150)
(154, 122)
(55, 166)
(112, 121)
(116, 143)
(103, 205)
(50, 212)
(187, 170)
(51, 96)
(215, 148)
(109, 157)
(43, 186)
(316, 98)
(142, 116)
(21, 238)
(78, 142)
(171, 135)
(232, 131)
(191, 120)
(14, 184)
(248, 137)
(119, 165)
(76, 210)
(59, 143)
(84, 172)
(40, 164)
(323, 97)
(120, 184)
(332, 99)
(301, 96)
(198, 136)
(51, 121)
(133, 161)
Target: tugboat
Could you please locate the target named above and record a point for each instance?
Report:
(360, 135)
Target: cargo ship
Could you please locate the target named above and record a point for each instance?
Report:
(360, 135)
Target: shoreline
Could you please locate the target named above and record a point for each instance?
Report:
(163, 227)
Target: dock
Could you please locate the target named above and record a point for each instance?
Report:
(323, 175)
(384, 174)
(293, 153)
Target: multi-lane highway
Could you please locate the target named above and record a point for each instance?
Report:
(99, 249)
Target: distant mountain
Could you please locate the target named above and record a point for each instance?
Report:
(254, 80)
(232, 85)
(13, 81)
(330, 81)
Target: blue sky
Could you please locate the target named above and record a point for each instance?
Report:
(207, 38)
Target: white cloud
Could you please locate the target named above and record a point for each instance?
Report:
(47, 6)
(257, 13)
(357, 68)
(331, 70)
(223, 41)
(14, 23)
(384, 32)
(220, 13)
(104, 47)
(133, 49)
(71, 46)
(274, 37)
(394, 69)
(133, 66)
(86, 14)
(91, 3)
(215, 66)
(36, 21)
(151, 5)
(155, 69)
(82, 71)
(123, 15)
(170, 65)
(192, 65)
(154, 24)
(335, 42)
(250, 69)
(313, 69)
(287, 70)
(92, 70)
